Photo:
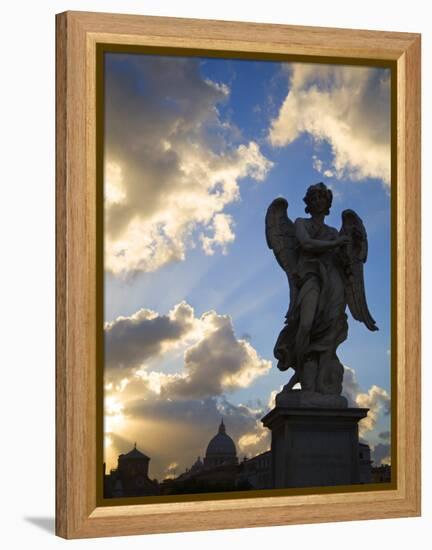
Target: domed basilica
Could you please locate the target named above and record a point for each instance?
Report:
(221, 470)
(220, 450)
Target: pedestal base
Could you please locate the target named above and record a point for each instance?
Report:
(309, 399)
(314, 447)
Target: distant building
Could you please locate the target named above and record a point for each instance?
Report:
(256, 472)
(219, 471)
(130, 478)
(381, 474)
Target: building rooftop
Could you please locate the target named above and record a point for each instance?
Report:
(135, 453)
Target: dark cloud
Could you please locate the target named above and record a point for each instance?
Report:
(218, 362)
(129, 341)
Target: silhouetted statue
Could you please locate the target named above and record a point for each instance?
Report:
(325, 273)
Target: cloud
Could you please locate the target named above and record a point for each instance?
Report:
(376, 399)
(222, 234)
(344, 106)
(171, 470)
(129, 341)
(172, 163)
(256, 441)
(381, 452)
(351, 387)
(214, 359)
(271, 402)
(217, 362)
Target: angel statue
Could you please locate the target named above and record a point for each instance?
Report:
(325, 273)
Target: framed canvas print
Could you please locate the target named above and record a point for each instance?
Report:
(238, 274)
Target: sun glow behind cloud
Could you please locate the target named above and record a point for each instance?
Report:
(214, 362)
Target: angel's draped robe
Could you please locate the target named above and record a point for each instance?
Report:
(322, 271)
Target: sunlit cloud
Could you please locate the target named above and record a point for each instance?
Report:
(376, 399)
(222, 234)
(114, 417)
(172, 163)
(344, 106)
(255, 442)
(171, 470)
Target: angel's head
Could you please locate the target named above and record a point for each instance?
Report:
(318, 199)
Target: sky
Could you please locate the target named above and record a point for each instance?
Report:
(195, 151)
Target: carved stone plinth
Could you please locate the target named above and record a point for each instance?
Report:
(313, 447)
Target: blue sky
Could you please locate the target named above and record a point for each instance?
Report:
(307, 123)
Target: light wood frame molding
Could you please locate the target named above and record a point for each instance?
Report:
(77, 512)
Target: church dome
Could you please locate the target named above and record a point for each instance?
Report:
(221, 445)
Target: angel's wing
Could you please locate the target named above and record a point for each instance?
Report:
(280, 236)
(355, 255)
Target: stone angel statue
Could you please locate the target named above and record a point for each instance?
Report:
(325, 274)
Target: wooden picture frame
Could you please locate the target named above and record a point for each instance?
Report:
(78, 514)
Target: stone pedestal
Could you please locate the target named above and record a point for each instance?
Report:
(313, 447)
